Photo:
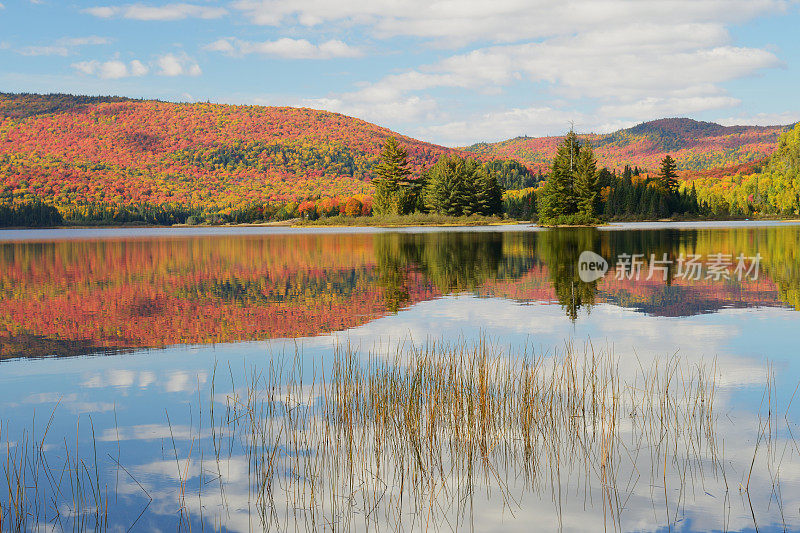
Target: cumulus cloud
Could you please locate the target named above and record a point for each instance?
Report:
(164, 65)
(501, 21)
(286, 48)
(111, 70)
(177, 65)
(638, 73)
(584, 67)
(177, 11)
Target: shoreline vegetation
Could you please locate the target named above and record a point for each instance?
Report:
(405, 221)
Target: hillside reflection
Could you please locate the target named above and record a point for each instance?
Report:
(76, 297)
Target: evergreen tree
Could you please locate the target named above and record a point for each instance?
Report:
(392, 186)
(488, 194)
(668, 177)
(447, 191)
(627, 172)
(694, 205)
(558, 198)
(587, 187)
(458, 187)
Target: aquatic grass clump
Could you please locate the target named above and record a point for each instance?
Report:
(428, 425)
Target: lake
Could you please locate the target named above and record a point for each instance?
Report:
(636, 377)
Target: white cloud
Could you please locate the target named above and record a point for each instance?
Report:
(111, 70)
(138, 68)
(84, 41)
(500, 125)
(101, 11)
(407, 109)
(501, 21)
(176, 11)
(662, 107)
(286, 48)
(177, 65)
(584, 67)
(165, 65)
(554, 120)
(63, 47)
(762, 119)
(640, 73)
(44, 51)
(221, 45)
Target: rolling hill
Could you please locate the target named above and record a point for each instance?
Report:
(696, 146)
(78, 151)
(71, 150)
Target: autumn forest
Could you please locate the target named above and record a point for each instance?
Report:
(84, 160)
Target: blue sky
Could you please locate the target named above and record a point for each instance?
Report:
(443, 71)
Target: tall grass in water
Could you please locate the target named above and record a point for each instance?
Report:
(419, 438)
(406, 440)
(41, 494)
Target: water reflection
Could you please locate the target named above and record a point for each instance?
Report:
(105, 296)
(466, 437)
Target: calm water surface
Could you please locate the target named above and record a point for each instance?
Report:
(122, 340)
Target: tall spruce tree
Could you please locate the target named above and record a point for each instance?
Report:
(488, 193)
(457, 186)
(447, 191)
(392, 186)
(668, 177)
(587, 186)
(558, 198)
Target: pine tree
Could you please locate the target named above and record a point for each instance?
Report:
(391, 183)
(488, 194)
(694, 205)
(668, 177)
(627, 172)
(558, 198)
(587, 187)
(447, 191)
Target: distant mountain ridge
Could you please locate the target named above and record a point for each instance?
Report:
(696, 145)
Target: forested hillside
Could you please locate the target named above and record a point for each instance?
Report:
(769, 188)
(696, 146)
(85, 159)
(70, 151)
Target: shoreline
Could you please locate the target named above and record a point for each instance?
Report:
(294, 225)
(10, 235)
